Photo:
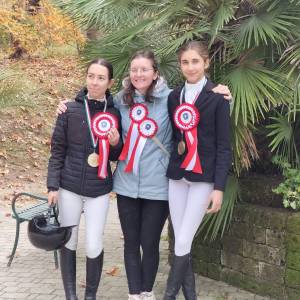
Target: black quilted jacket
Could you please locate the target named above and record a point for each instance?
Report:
(70, 146)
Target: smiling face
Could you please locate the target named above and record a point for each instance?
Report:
(193, 65)
(97, 81)
(142, 74)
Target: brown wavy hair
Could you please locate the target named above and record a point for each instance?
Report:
(129, 90)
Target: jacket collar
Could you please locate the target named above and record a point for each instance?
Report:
(206, 89)
(83, 92)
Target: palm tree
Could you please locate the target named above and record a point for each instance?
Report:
(255, 50)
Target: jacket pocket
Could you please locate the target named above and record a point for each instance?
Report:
(164, 161)
(76, 132)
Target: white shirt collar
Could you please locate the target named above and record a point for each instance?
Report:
(196, 86)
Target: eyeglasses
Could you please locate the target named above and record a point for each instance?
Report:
(142, 70)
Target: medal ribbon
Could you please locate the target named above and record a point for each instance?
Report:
(191, 161)
(88, 118)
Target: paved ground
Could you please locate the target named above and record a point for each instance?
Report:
(32, 274)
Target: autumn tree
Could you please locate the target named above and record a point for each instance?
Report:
(34, 25)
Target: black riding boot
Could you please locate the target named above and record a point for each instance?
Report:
(176, 276)
(68, 272)
(93, 275)
(188, 284)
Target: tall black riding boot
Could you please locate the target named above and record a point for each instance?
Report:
(93, 275)
(188, 284)
(176, 276)
(68, 272)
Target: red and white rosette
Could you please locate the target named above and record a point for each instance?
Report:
(137, 114)
(101, 125)
(146, 129)
(186, 118)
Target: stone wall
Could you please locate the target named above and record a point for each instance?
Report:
(260, 253)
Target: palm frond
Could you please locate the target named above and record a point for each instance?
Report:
(105, 14)
(244, 147)
(291, 57)
(222, 15)
(255, 88)
(283, 139)
(214, 225)
(265, 28)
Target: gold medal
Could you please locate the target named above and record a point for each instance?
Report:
(93, 160)
(181, 147)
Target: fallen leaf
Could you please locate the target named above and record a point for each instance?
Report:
(4, 172)
(3, 155)
(82, 284)
(114, 271)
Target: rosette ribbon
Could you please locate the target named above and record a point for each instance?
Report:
(140, 129)
(186, 118)
(101, 125)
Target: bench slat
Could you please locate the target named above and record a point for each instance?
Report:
(30, 212)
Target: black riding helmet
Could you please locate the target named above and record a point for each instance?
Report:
(48, 235)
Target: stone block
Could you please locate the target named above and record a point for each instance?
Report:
(201, 252)
(256, 234)
(292, 278)
(233, 245)
(271, 273)
(260, 217)
(232, 277)
(238, 230)
(200, 267)
(275, 238)
(214, 271)
(263, 287)
(250, 267)
(278, 220)
(232, 261)
(241, 264)
(293, 260)
(264, 253)
(215, 256)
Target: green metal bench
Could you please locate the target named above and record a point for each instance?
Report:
(26, 213)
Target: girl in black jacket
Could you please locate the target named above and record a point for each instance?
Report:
(84, 140)
(199, 163)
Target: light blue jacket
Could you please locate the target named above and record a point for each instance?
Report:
(150, 182)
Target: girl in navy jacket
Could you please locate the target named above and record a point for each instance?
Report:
(199, 163)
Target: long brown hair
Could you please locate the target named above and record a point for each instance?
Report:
(129, 90)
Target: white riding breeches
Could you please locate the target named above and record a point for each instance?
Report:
(95, 211)
(188, 202)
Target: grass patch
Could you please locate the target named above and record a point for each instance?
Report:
(56, 51)
(15, 89)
